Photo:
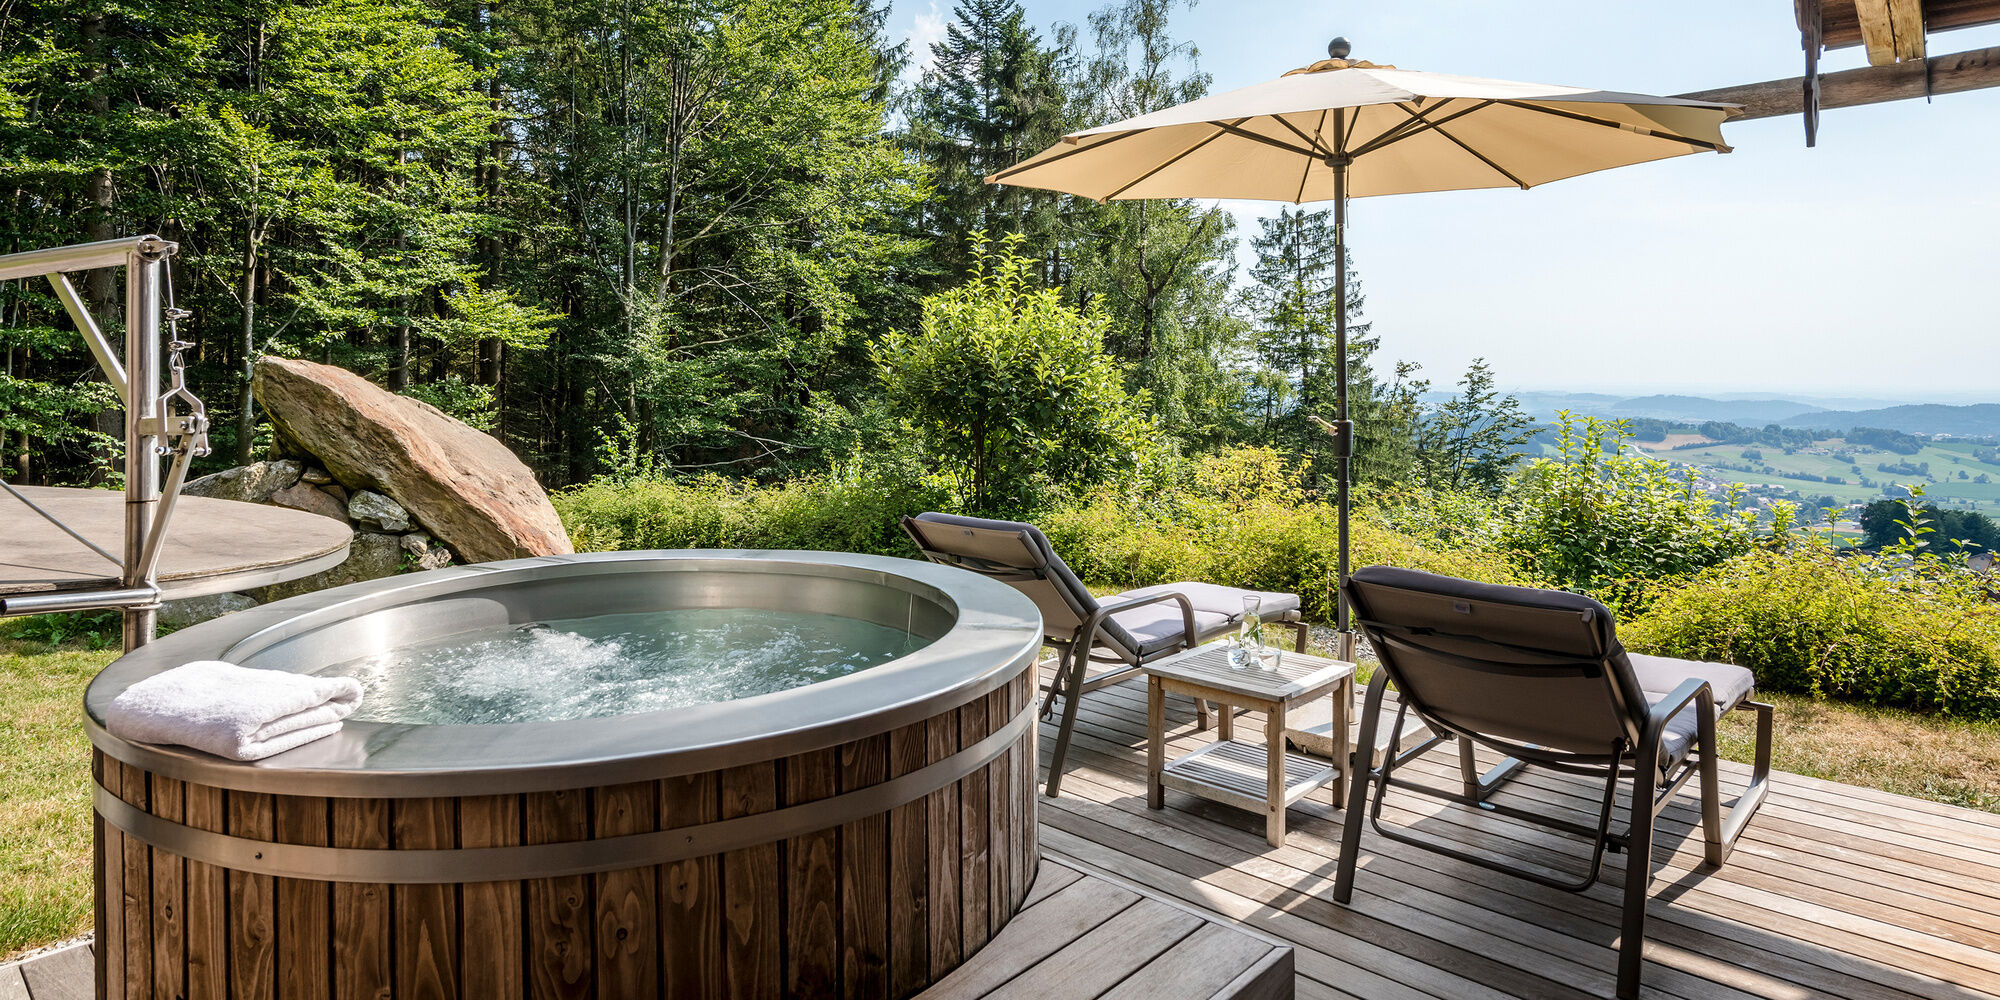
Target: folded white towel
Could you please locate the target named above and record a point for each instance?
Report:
(232, 711)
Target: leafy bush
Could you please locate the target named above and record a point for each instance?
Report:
(1910, 633)
(1011, 388)
(829, 512)
(1610, 524)
(1241, 519)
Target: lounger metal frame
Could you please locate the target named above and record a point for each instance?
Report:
(1652, 786)
(1073, 679)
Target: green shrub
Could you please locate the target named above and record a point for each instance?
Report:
(1614, 525)
(1905, 633)
(1010, 388)
(1242, 520)
(827, 512)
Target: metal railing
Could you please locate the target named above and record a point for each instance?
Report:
(151, 430)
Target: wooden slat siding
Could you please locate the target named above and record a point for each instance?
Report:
(492, 947)
(691, 895)
(752, 895)
(909, 871)
(812, 882)
(361, 939)
(304, 905)
(1031, 767)
(943, 859)
(975, 833)
(206, 917)
(864, 877)
(137, 886)
(628, 936)
(252, 905)
(108, 855)
(1000, 896)
(425, 917)
(169, 897)
(558, 915)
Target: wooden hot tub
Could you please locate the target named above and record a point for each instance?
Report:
(854, 837)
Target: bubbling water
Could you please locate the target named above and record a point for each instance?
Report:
(607, 665)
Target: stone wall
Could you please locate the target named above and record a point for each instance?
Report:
(387, 540)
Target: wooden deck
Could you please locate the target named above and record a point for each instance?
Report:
(1834, 891)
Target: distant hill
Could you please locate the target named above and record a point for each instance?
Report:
(1696, 409)
(1972, 420)
(1544, 405)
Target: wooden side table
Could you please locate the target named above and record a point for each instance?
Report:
(1261, 777)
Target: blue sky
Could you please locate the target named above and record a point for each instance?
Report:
(1867, 265)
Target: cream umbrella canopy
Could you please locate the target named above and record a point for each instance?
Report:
(1341, 129)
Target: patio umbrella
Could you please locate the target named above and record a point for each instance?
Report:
(1340, 129)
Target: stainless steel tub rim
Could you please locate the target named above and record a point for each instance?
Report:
(983, 634)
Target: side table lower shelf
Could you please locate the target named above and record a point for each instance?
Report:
(1237, 773)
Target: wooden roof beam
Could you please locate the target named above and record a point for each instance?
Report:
(1974, 70)
(1893, 30)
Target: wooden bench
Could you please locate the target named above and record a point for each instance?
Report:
(1082, 936)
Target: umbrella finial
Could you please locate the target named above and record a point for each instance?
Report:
(1338, 48)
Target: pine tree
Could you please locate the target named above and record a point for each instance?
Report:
(1294, 301)
(1162, 268)
(992, 97)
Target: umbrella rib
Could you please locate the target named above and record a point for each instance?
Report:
(1176, 158)
(1065, 154)
(1319, 148)
(1416, 123)
(1608, 123)
(1265, 139)
(1481, 157)
(1306, 173)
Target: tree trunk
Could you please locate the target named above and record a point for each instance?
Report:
(100, 285)
(246, 402)
(489, 244)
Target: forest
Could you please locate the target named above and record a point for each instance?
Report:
(728, 273)
(664, 232)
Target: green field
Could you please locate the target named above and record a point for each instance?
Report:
(1943, 484)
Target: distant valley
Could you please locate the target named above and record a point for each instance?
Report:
(1836, 415)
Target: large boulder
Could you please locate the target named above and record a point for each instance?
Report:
(460, 483)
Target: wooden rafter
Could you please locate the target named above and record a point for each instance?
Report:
(1974, 70)
(1843, 29)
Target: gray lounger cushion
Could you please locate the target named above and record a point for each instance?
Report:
(1660, 675)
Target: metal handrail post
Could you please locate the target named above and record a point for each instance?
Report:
(142, 440)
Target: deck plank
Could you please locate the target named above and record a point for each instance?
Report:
(1832, 891)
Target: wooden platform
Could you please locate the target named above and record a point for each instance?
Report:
(212, 545)
(1082, 936)
(1834, 891)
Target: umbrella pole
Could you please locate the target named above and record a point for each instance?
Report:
(1344, 439)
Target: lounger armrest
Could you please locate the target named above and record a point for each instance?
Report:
(1086, 637)
(1694, 689)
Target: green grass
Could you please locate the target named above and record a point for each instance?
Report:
(45, 873)
(1943, 487)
